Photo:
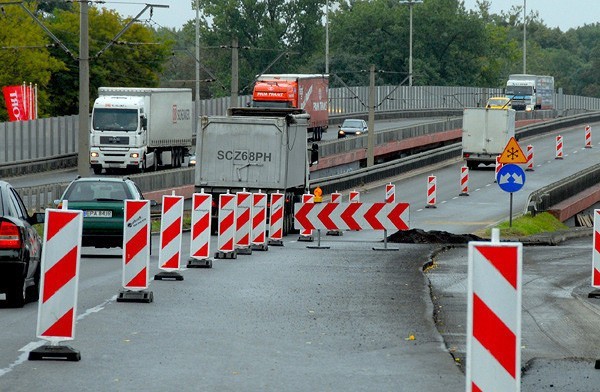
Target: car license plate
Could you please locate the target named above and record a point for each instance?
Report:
(97, 214)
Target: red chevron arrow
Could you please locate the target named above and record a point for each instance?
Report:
(371, 216)
(348, 216)
(301, 216)
(324, 216)
(395, 216)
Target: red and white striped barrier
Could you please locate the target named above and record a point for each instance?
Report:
(259, 221)
(351, 216)
(276, 219)
(226, 230)
(529, 158)
(497, 168)
(171, 229)
(200, 231)
(431, 191)
(494, 316)
(336, 197)
(354, 196)
(136, 252)
(59, 280)
(306, 234)
(464, 181)
(390, 193)
(559, 147)
(596, 251)
(243, 224)
(588, 136)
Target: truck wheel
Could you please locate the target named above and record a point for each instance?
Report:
(97, 169)
(472, 165)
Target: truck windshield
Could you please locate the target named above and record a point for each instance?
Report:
(110, 119)
(518, 90)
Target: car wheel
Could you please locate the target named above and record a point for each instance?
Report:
(16, 295)
(33, 292)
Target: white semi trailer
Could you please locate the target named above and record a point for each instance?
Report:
(255, 149)
(138, 129)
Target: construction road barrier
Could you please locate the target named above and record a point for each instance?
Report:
(259, 221)
(59, 280)
(276, 219)
(243, 224)
(226, 230)
(136, 252)
(200, 231)
(171, 229)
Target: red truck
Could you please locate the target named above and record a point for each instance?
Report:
(300, 91)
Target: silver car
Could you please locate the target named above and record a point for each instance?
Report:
(352, 127)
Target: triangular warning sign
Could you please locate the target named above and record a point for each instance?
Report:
(512, 153)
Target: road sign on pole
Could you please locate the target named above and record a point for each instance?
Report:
(512, 153)
(511, 178)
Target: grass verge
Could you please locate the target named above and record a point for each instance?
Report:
(527, 225)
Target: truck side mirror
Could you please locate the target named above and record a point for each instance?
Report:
(314, 154)
(144, 122)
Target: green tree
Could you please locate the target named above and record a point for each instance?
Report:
(26, 56)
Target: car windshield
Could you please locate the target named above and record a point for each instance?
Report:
(97, 191)
(115, 119)
(352, 124)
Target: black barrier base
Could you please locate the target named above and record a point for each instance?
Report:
(597, 365)
(394, 249)
(317, 247)
(594, 294)
(306, 238)
(64, 353)
(168, 275)
(226, 255)
(275, 242)
(260, 247)
(135, 296)
(197, 263)
(463, 194)
(335, 232)
(244, 251)
(430, 206)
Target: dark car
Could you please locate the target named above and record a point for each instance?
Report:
(20, 248)
(101, 200)
(352, 127)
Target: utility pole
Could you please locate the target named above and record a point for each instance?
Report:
(327, 37)
(410, 4)
(83, 145)
(197, 101)
(234, 72)
(371, 122)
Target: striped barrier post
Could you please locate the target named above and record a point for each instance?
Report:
(559, 147)
(243, 222)
(494, 315)
(588, 136)
(171, 229)
(306, 235)
(390, 198)
(200, 231)
(431, 192)
(497, 168)
(336, 197)
(59, 280)
(226, 231)
(276, 213)
(596, 256)
(464, 181)
(354, 197)
(136, 252)
(529, 158)
(390, 193)
(259, 221)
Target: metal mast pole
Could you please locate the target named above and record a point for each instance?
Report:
(83, 145)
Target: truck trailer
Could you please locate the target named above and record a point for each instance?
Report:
(255, 149)
(530, 92)
(485, 134)
(302, 91)
(138, 129)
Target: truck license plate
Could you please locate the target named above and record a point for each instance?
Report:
(97, 214)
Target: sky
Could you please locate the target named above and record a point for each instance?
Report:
(564, 14)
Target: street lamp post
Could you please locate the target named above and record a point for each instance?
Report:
(410, 4)
(524, 36)
(327, 37)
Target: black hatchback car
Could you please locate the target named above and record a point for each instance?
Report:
(20, 249)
